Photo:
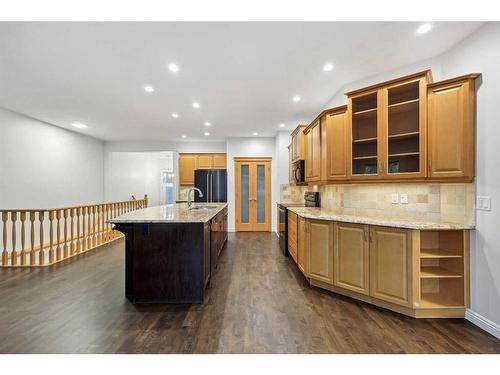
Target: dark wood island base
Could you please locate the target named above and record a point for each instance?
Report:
(171, 262)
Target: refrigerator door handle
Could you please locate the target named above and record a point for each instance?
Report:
(211, 187)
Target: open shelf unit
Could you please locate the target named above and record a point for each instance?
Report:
(403, 110)
(442, 269)
(364, 134)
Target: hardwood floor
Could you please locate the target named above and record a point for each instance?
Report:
(258, 302)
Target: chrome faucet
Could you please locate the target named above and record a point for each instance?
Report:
(189, 195)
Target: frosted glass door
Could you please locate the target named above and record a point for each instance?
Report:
(261, 194)
(245, 194)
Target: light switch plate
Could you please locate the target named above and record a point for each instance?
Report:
(483, 203)
(394, 198)
(403, 199)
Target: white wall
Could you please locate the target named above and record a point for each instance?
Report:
(481, 53)
(206, 146)
(134, 173)
(250, 147)
(282, 141)
(44, 166)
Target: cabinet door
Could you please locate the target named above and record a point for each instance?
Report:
(336, 144)
(292, 235)
(451, 129)
(320, 243)
(365, 115)
(390, 265)
(351, 257)
(219, 161)
(313, 149)
(302, 253)
(187, 165)
(291, 179)
(404, 130)
(205, 161)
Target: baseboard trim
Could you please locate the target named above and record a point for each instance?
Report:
(483, 323)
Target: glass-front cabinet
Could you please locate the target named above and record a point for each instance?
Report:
(365, 134)
(387, 129)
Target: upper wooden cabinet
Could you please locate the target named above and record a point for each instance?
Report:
(313, 151)
(298, 143)
(188, 163)
(451, 127)
(335, 150)
(388, 129)
(406, 128)
(187, 166)
(291, 180)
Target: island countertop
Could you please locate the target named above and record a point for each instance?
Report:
(324, 214)
(172, 213)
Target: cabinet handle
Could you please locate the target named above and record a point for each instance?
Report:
(366, 235)
(371, 236)
(381, 167)
(429, 165)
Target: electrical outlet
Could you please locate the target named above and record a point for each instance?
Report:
(483, 203)
(403, 199)
(394, 198)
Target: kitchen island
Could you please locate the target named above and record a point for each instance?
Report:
(171, 251)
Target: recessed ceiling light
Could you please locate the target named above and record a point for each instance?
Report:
(79, 125)
(206, 134)
(282, 125)
(196, 105)
(296, 98)
(424, 28)
(173, 67)
(174, 115)
(328, 67)
(207, 123)
(255, 133)
(149, 88)
(184, 136)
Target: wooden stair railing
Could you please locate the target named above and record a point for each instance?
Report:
(58, 234)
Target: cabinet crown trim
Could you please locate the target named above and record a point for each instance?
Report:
(466, 77)
(326, 112)
(425, 73)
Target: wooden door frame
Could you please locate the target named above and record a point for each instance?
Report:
(237, 187)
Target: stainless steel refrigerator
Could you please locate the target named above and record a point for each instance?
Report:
(212, 183)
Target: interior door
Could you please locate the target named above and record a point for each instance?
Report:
(253, 194)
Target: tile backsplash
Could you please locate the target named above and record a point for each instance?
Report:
(454, 203)
(183, 192)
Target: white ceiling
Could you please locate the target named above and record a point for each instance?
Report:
(244, 75)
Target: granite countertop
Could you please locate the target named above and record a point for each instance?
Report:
(172, 213)
(323, 214)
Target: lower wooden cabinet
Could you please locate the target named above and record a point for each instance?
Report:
(320, 244)
(351, 257)
(390, 265)
(302, 249)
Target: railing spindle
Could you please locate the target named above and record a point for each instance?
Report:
(58, 237)
(5, 253)
(41, 253)
(51, 236)
(72, 231)
(23, 238)
(78, 214)
(32, 238)
(65, 245)
(13, 255)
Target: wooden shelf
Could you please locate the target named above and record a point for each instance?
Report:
(364, 157)
(366, 113)
(364, 140)
(403, 155)
(437, 301)
(428, 272)
(410, 105)
(404, 135)
(437, 253)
